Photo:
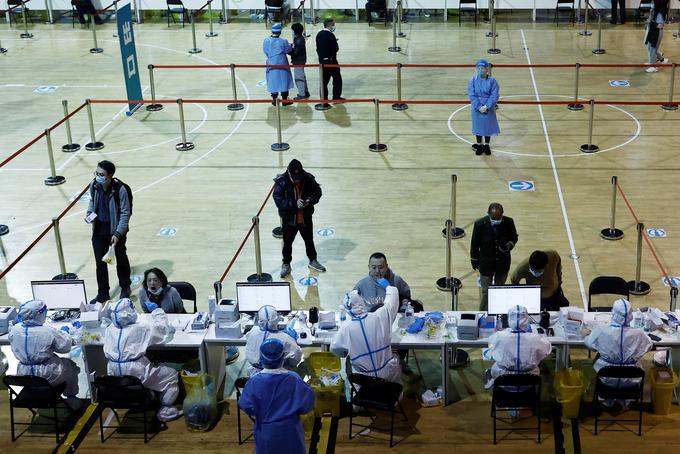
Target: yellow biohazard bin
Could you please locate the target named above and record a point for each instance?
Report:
(328, 398)
(663, 382)
(568, 391)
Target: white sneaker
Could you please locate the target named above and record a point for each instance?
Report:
(651, 69)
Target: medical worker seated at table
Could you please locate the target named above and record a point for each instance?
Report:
(275, 398)
(266, 327)
(618, 344)
(36, 347)
(367, 337)
(516, 350)
(483, 93)
(125, 344)
(279, 80)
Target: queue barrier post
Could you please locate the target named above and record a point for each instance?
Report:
(576, 105)
(234, 106)
(377, 146)
(585, 31)
(195, 49)
(70, 147)
(53, 179)
(447, 282)
(674, 298)
(399, 105)
(115, 13)
(64, 276)
(639, 287)
(492, 13)
(456, 232)
(493, 50)
(95, 49)
(259, 276)
(154, 106)
(26, 33)
(217, 286)
(184, 145)
(138, 12)
(590, 147)
(400, 14)
(48, 8)
(670, 106)
(93, 145)
(322, 105)
(2, 49)
(4, 230)
(599, 50)
(280, 145)
(394, 47)
(211, 33)
(224, 17)
(611, 232)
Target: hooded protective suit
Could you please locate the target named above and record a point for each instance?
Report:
(275, 399)
(266, 328)
(515, 350)
(367, 337)
(617, 343)
(35, 346)
(125, 344)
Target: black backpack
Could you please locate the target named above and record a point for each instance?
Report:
(117, 184)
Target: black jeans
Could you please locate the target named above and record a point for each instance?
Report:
(621, 7)
(100, 245)
(334, 73)
(306, 232)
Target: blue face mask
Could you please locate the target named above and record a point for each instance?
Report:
(496, 222)
(536, 273)
(482, 72)
(99, 179)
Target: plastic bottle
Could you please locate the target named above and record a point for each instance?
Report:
(212, 304)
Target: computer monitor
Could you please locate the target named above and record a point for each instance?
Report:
(251, 297)
(60, 294)
(503, 297)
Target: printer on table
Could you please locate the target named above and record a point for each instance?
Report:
(7, 315)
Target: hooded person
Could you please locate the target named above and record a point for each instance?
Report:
(276, 49)
(275, 399)
(366, 337)
(267, 328)
(125, 344)
(36, 347)
(515, 350)
(483, 92)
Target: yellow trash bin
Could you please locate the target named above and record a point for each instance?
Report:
(568, 391)
(663, 382)
(328, 398)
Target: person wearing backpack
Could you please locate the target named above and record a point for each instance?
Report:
(109, 213)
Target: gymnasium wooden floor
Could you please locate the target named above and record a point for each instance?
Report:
(395, 202)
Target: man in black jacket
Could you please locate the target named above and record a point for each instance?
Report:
(299, 57)
(295, 194)
(327, 50)
(493, 237)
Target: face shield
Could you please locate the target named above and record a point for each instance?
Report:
(518, 319)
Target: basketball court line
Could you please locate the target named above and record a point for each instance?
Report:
(556, 177)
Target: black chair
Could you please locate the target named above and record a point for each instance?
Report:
(564, 5)
(380, 7)
(273, 12)
(176, 7)
(606, 285)
(645, 6)
(239, 384)
(376, 393)
(186, 292)
(610, 392)
(37, 393)
(18, 10)
(516, 392)
(123, 393)
(467, 5)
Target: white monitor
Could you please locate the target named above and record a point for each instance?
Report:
(504, 297)
(251, 297)
(60, 294)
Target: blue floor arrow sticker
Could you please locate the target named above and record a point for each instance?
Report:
(521, 185)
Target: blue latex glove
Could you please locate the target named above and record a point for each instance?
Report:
(64, 329)
(291, 332)
(77, 324)
(436, 317)
(416, 326)
(151, 306)
(384, 283)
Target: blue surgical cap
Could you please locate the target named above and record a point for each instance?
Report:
(271, 353)
(482, 63)
(276, 28)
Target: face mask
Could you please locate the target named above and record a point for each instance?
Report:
(156, 292)
(536, 273)
(481, 72)
(100, 180)
(495, 222)
(332, 29)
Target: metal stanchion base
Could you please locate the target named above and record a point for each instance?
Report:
(458, 358)
(456, 232)
(585, 33)
(599, 51)
(277, 232)
(639, 288)
(323, 106)
(195, 50)
(96, 50)
(669, 107)
(3, 50)
(154, 107)
(222, 21)
(184, 146)
(211, 35)
(4, 230)
(399, 106)
(283, 146)
(394, 49)
(441, 284)
(65, 277)
(575, 107)
(264, 277)
(377, 147)
(70, 147)
(589, 148)
(54, 181)
(235, 107)
(493, 51)
(26, 35)
(490, 35)
(611, 234)
(401, 35)
(94, 146)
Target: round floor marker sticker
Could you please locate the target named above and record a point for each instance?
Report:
(309, 281)
(167, 231)
(326, 231)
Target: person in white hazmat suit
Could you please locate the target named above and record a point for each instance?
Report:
(267, 328)
(515, 350)
(366, 337)
(125, 344)
(36, 347)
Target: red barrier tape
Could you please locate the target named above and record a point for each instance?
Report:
(105, 9)
(410, 65)
(57, 124)
(243, 243)
(644, 234)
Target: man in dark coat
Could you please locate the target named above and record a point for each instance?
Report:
(493, 237)
(295, 194)
(327, 50)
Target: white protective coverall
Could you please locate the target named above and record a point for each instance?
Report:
(367, 337)
(125, 344)
(266, 328)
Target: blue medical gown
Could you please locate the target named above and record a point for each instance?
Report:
(276, 401)
(276, 50)
(483, 92)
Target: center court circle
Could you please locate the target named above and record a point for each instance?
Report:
(556, 154)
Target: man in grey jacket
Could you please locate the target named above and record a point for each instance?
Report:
(369, 288)
(109, 213)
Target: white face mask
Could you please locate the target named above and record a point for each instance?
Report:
(332, 29)
(155, 292)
